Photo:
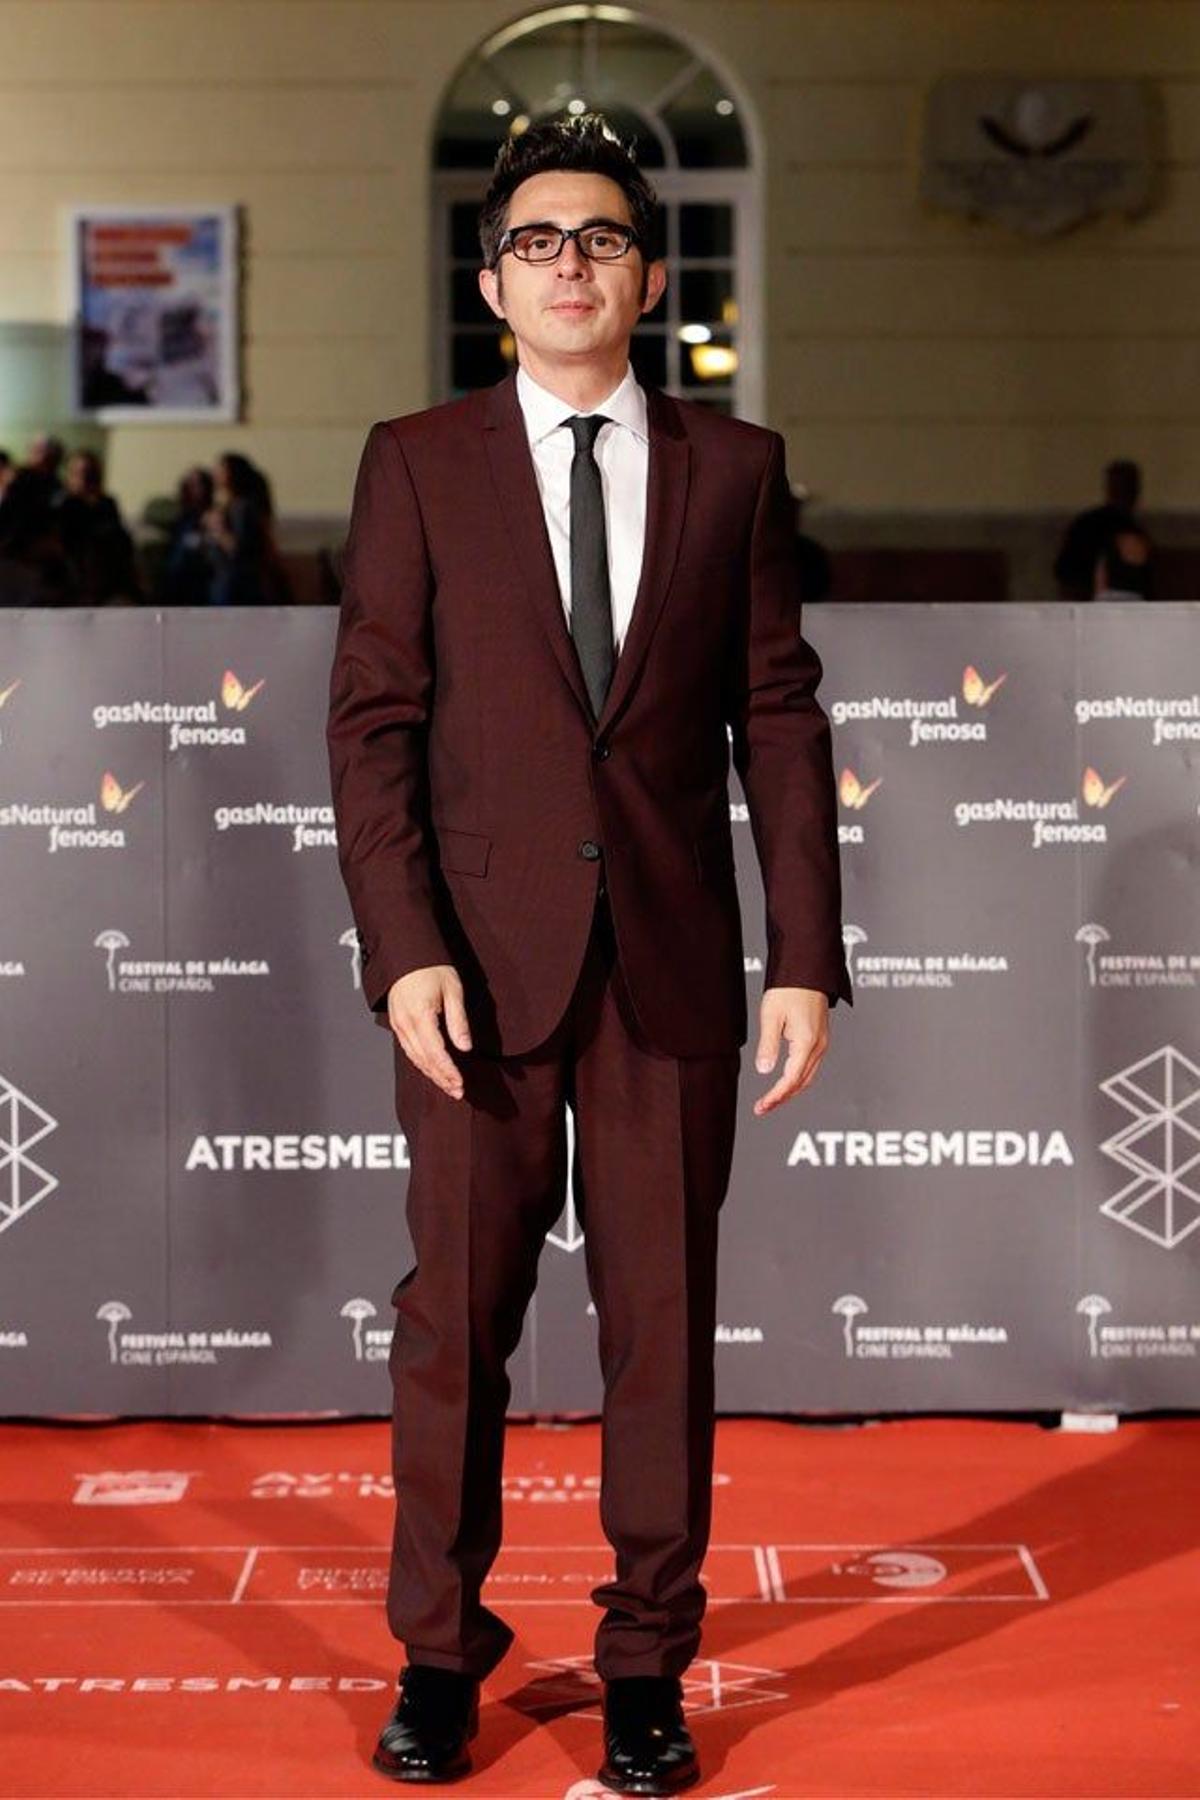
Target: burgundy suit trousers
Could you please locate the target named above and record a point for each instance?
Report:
(653, 1148)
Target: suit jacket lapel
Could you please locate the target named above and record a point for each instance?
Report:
(666, 503)
(666, 499)
(521, 504)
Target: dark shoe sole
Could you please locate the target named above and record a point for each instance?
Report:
(453, 1772)
(621, 1785)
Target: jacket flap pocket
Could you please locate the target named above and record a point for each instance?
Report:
(466, 852)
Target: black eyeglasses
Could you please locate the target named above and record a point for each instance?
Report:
(601, 241)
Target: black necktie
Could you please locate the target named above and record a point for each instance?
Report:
(591, 601)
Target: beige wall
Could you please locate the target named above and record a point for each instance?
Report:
(915, 361)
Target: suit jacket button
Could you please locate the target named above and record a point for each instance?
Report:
(601, 752)
(589, 849)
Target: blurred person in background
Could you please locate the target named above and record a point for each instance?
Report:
(245, 565)
(94, 537)
(185, 577)
(43, 459)
(8, 469)
(33, 569)
(1090, 533)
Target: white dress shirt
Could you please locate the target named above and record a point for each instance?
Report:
(622, 452)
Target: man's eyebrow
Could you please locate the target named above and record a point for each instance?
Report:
(555, 224)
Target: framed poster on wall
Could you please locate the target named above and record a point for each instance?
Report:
(154, 299)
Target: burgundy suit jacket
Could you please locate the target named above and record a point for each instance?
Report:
(477, 798)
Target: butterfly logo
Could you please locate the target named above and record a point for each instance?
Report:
(113, 797)
(1094, 790)
(10, 689)
(851, 791)
(235, 697)
(977, 691)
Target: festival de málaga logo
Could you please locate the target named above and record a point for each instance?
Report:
(77, 827)
(1051, 822)
(1140, 967)
(900, 967)
(169, 975)
(937, 720)
(905, 1339)
(190, 724)
(1127, 1340)
(156, 1349)
(854, 794)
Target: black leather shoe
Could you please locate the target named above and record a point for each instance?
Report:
(425, 1736)
(647, 1747)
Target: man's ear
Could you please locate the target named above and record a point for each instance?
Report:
(489, 287)
(656, 283)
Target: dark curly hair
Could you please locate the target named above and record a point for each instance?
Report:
(585, 142)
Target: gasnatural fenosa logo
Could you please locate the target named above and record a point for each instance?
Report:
(930, 721)
(1051, 821)
(80, 827)
(190, 723)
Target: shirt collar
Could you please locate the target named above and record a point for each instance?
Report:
(544, 412)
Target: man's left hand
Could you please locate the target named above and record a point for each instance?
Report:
(801, 1015)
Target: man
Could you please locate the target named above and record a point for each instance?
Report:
(1091, 534)
(558, 594)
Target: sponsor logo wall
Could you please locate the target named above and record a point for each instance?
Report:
(990, 1198)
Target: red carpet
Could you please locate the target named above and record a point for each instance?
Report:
(941, 1608)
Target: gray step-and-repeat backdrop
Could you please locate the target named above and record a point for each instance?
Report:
(990, 1198)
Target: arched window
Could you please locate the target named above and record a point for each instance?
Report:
(690, 133)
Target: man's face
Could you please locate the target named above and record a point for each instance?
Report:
(571, 308)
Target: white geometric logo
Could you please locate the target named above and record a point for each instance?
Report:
(1161, 1146)
(23, 1182)
(709, 1685)
(571, 1236)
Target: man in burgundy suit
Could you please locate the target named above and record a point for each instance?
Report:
(564, 596)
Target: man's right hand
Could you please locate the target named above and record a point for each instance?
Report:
(414, 1003)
